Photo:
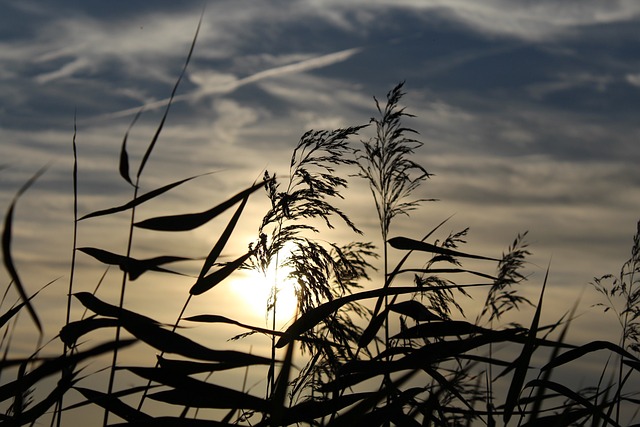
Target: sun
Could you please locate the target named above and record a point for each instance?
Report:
(255, 289)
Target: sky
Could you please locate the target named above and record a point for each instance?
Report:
(527, 111)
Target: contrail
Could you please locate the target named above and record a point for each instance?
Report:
(296, 67)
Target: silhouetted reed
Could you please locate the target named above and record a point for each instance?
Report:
(389, 350)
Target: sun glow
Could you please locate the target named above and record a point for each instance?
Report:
(256, 289)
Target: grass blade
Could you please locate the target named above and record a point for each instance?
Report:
(141, 199)
(440, 329)
(415, 310)
(206, 283)
(188, 391)
(124, 157)
(70, 333)
(522, 363)
(173, 93)
(114, 405)
(314, 316)
(585, 349)
(565, 391)
(6, 250)
(223, 239)
(404, 243)
(185, 222)
(134, 267)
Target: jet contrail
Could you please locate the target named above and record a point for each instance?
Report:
(296, 67)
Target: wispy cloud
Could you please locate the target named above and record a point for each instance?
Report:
(216, 84)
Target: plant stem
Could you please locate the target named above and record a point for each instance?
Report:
(112, 372)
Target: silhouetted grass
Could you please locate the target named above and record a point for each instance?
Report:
(394, 353)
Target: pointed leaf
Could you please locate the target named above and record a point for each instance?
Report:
(314, 316)
(222, 241)
(192, 392)
(312, 409)
(576, 397)
(124, 157)
(203, 285)
(15, 310)
(185, 222)
(141, 199)
(54, 366)
(166, 111)
(585, 349)
(70, 333)
(372, 329)
(6, 250)
(113, 404)
(445, 270)
(415, 310)
(440, 329)
(133, 267)
(405, 243)
(150, 332)
(214, 318)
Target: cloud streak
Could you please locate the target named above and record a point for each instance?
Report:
(231, 83)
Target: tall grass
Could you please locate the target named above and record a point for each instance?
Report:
(372, 353)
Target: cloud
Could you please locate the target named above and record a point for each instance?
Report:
(566, 82)
(633, 79)
(213, 83)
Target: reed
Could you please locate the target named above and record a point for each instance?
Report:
(395, 350)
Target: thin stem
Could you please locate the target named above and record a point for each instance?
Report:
(123, 287)
(73, 251)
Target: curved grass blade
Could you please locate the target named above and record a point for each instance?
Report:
(310, 410)
(134, 267)
(206, 283)
(576, 397)
(355, 415)
(35, 413)
(52, 366)
(404, 243)
(415, 310)
(440, 329)
(70, 333)
(372, 329)
(16, 309)
(576, 353)
(118, 394)
(398, 267)
(173, 93)
(188, 391)
(150, 331)
(102, 308)
(447, 271)
(10, 313)
(6, 250)
(314, 316)
(214, 318)
(185, 222)
(187, 367)
(113, 405)
(223, 239)
(142, 199)
(124, 157)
